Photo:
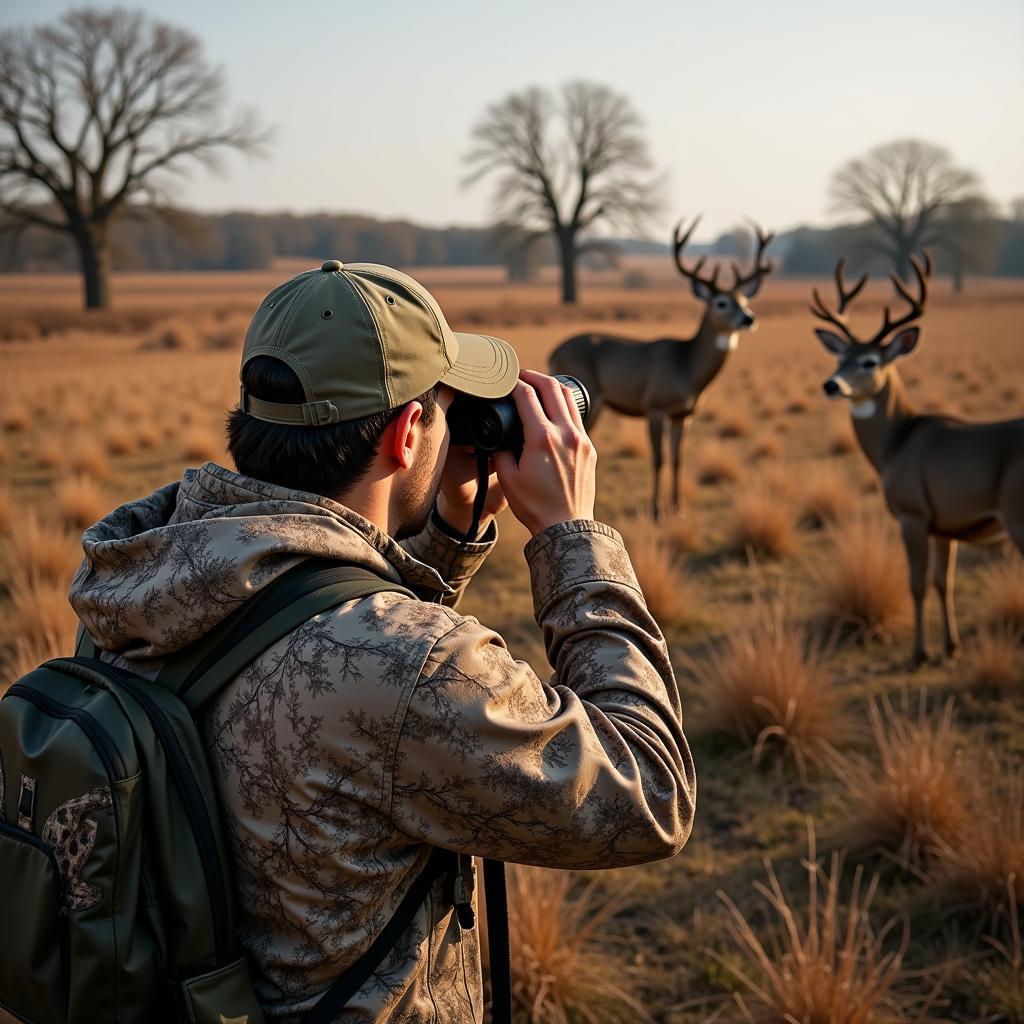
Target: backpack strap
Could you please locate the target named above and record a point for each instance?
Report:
(201, 670)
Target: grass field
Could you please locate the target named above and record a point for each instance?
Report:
(858, 854)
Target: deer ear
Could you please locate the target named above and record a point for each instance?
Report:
(903, 343)
(751, 288)
(835, 343)
(701, 290)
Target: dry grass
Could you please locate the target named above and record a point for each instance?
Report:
(41, 610)
(564, 971)
(762, 524)
(998, 986)
(682, 532)
(173, 334)
(30, 652)
(981, 864)
(6, 513)
(1003, 587)
(908, 796)
(841, 440)
(827, 497)
(994, 660)
(765, 448)
(669, 591)
(49, 453)
(16, 417)
(823, 965)
(200, 445)
(862, 585)
(39, 552)
(734, 424)
(79, 502)
(769, 686)
(719, 465)
(120, 439)
(146, 435)
(88, 456)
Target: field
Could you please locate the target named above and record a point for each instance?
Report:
(782, 590)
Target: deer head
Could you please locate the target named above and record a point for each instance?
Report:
(727, 307)
(864, 366)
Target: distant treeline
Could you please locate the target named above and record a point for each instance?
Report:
(180, 240)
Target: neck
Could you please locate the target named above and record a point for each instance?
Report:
(371, 499)
(877, 421)
(709, 348)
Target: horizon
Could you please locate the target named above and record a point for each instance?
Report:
(746, 153)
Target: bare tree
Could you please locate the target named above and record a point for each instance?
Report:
(96, 111)
(906, 189)
(565, 164)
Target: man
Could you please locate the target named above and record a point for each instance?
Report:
(392, 725)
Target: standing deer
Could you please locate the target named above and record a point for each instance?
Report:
(944, 479)
(664, 379)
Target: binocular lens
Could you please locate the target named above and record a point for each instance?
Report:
(493, 425)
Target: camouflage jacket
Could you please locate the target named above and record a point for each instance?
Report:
(390, 725)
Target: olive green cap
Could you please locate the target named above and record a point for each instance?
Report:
(364, 339)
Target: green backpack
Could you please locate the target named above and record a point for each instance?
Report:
(116, 900)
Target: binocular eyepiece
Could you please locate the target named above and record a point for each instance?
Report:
(493, 424)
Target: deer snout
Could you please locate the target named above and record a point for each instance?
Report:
(747, 320)
(833, 388)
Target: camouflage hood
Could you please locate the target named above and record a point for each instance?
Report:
(162, 571)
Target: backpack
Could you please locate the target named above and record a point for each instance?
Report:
(116, 900)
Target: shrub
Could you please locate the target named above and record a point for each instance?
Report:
(769, 687)
(200, 445)
(669, 592)
(862, 586)
(38, 552)
(827, 497)
(172, 334)
(841, 440)
(909, 796)
(559, 942)
(994, 659)
(88, 457)
(733, 424)
(120, 439)
(41, 610)
(16, 417)
(825, 963)
(766, 447)
(1003, 588)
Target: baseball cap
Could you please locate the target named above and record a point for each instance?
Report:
(364, 339)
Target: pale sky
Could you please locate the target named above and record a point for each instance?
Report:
(749, 106)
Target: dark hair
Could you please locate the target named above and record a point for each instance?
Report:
(326, 460)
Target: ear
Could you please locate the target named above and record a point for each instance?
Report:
(835, 343)
(700, 290)
(401, 438)
(903, 343)
(752, 287)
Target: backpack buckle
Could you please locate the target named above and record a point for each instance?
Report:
(465, 886)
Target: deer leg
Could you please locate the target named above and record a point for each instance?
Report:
(944, 575)
(676, 436)
(656, 425)
(918, 547)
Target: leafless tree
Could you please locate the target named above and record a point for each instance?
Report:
(566, 163)
(97, 111)
(906, 189)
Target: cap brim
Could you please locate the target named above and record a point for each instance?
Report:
(485, 367)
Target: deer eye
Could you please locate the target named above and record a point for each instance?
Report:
(869, 362)
(721, 304)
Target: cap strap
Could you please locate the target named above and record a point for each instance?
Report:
(309, 414)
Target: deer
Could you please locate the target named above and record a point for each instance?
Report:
(945, 480)
(664, 379)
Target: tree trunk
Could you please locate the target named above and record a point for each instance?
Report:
(567, 249)
(902, 260)
(93, 244)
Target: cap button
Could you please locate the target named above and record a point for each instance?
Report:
(331, 265)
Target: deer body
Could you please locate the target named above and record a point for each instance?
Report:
(945, 480)
(664, 379)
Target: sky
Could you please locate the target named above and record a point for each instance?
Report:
(748, 106)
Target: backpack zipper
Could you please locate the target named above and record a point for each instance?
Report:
(113, 763)
(191, 797)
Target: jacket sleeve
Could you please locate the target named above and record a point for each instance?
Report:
(436, 545)
(589, 771)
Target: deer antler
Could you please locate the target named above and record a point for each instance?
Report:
(679, 240)
(922, 271)
(846, 296)
(761, 266)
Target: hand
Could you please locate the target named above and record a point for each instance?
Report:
(458, 489)
(555, 479)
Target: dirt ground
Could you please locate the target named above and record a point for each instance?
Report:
(124, 409)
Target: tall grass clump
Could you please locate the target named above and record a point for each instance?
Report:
(762, 523)
(88, 456)
(994, 660)
(565, 971)
(6, 516)
(769, 686)
(998, 986)
(908, 796)
(826, 964)
(670, 592)
(1003, 588)
(826, 497)
(981, 865)
(79, 502)
(719, 465)
(862, 584)
(39, 551)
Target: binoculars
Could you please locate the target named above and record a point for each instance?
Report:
(493, 424)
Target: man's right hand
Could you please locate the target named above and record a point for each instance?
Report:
(555, 479)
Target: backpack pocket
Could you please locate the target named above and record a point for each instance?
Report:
(33, 928)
